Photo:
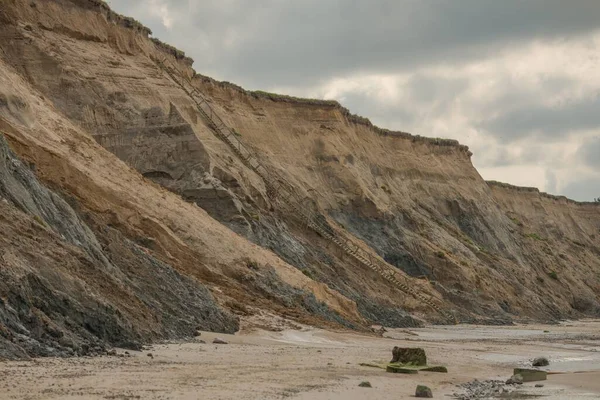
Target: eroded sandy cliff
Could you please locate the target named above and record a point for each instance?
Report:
(169, 231)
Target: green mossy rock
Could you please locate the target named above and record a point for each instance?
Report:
(436, 368)
(401, 369)
(413, 369)
(531, 375)
(372, 365)
(409, 355)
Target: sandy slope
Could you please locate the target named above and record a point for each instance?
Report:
(417, 202)
(80, 101)
(315, 364)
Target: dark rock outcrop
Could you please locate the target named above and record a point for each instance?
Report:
(70, 287)
(423, 392)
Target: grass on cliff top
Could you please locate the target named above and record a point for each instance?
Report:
(284, 97)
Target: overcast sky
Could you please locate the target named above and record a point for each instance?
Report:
(516, 81)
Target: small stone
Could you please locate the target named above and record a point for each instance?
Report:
(516, 379)
(198, 333)
(365, 384)
(219, 341)
(201, 341)
(112, 352)
(423, 392)
(150, 355)
(540, 362)
(539, 385)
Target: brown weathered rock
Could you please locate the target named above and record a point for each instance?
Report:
(219, 341)
(423, 392)
(409, 355)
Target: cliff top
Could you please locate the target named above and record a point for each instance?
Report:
(534, 190)
(130, 23)
(354, 118)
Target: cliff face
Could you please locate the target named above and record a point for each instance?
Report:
(493, 249)
(127, 261)
(83, 100)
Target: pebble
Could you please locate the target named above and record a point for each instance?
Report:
(482, 389)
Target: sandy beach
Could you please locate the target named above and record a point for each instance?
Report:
(308, 363)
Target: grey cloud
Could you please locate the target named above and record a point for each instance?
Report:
(539, 120)
(382, 114)
(430, 88)
(303, 42)
(583, 190)
(513, 96)
(498, 155)
(551, 183)
(589, 153)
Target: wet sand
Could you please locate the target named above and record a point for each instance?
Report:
(316, 364)
(587, 382)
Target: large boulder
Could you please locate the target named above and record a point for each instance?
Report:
(409, 355)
